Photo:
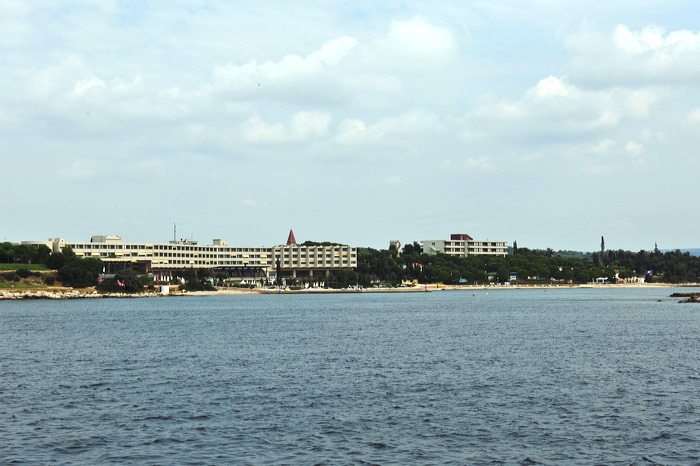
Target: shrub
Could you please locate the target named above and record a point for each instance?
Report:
(124, 281)
(129, 279)
(196, 285)
(109, 285)
(22, 272)
(49, 280)
(81, 273)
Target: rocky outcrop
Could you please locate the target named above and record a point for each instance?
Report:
(692, 297)
(70, 294)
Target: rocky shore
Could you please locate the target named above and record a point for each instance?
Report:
(690, 297)
(72, 294)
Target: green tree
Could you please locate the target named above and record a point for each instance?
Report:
(128, 280)
(81, 273)
(56, 260)
(7, 253)
(41, 254)
(24, 252)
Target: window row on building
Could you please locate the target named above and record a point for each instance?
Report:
(179, 254)
(461, 244)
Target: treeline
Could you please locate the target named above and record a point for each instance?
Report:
(392, 268)
(70, 270)
(23, 253)
(75, 271)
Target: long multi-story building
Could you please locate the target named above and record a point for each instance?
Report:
(461, 244)
(162, 259)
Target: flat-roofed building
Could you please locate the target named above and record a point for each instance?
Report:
(461, 244)
(310, 259)
(161, 259)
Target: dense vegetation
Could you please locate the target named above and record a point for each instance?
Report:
(392, 267)
(73, 270)
(23, 253)
(322, 243)
(125, 281)
(529, 266)
(196, 279)
(22, 277)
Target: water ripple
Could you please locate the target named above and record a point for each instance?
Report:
(581, 377)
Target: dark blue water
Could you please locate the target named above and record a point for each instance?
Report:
(567, 376)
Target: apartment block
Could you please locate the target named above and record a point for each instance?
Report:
(161, 259)
(461, 244)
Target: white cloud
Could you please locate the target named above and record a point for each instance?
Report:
(417, 42)
(694, 116)
(604, 146)
(84, 86)
(552, 87)
(302, 126)
(59, 79)
(79, 169)
(482, 162)
(606, 118)
(289, 71)
(167, 86)
(634, 148)
(351, 130)
(648, 56)
(307, 125)
(653, 136)
(595, 170)
(387, 129)
(503, 110)
(70, 87)
(556, 105)
(657, 47)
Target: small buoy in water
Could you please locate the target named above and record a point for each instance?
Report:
(473, 294)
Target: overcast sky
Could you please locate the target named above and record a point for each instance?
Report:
(544, 122)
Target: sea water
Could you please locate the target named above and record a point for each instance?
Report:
(575, 376)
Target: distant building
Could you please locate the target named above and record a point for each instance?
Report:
(162, 259)
(462, 245)
(395, 245)
(291, 240)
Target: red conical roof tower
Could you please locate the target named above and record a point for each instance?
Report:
(291, 239)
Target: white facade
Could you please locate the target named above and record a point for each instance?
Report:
(314, 257)
(464, 245)
(185, 254)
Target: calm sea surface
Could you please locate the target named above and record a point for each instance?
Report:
(566, 376)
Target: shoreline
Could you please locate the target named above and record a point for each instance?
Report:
(69, 293)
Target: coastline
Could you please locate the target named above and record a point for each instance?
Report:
(89, 293)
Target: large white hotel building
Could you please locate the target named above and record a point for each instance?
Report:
(162, 259)
(461, 244)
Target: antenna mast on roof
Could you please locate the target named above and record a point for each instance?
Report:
(174, 229)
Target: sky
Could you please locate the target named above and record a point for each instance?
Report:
(544, 122)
